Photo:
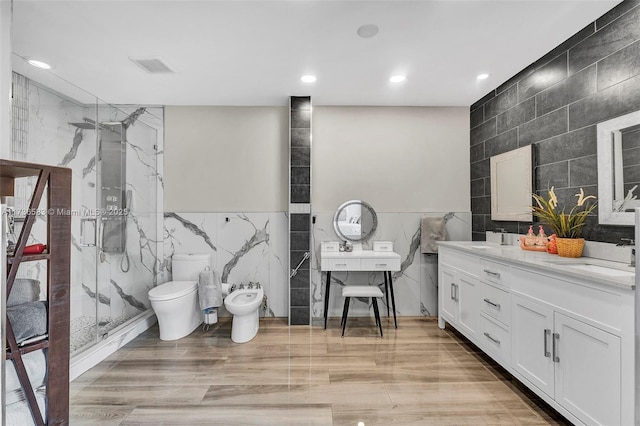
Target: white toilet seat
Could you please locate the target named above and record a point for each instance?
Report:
(172, 290)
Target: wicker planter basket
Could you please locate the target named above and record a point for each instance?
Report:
(570, 247)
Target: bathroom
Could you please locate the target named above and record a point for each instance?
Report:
(217, 178)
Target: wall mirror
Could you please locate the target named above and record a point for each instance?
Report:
(355, 221)
(511, 185)
(618, 169)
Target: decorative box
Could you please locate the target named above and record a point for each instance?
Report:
(382, 246)
(329, 246)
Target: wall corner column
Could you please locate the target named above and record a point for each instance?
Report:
(299, 210)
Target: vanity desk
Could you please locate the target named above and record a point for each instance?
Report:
(563, 327)
(360, 260)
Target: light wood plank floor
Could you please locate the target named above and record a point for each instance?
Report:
(415, 375)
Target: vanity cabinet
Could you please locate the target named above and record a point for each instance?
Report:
(570, 339)
(459, 291)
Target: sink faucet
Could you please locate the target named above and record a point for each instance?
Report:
(629, 242)
(503, 236)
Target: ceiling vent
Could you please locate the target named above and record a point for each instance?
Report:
(152, 65)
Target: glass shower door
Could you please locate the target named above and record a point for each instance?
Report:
(126, 262)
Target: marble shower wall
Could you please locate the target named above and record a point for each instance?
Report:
(415, 285)
(245, 247)
(121, 282)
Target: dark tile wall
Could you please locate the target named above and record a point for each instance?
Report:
(300, 196)
(554, 105)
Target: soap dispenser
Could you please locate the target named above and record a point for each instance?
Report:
(541, 239)
(530, 239)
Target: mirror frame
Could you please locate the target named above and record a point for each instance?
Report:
(606, 215)
(522, 160)
(364, 205)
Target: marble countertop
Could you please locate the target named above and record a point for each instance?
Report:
(549, 262)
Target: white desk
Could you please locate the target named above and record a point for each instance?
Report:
(363, 260)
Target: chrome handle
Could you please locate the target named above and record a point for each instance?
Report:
(495, 305)
(554, 348)
(496, 341)
(341, 264)
(490, 272)
(456, 293)
(453, 295)
(547, 332)
(380, 265)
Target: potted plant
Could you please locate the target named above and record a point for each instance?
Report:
(566, 226)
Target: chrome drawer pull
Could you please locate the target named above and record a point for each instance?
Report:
(554, 348)
(490, 272)
(547, 332)
(380, 265)
(495, 305)
(341, 264)
(496, 341)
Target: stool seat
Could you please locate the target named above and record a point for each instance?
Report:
(369, 291)
(361, 291)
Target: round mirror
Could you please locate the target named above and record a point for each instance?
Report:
(355, 220)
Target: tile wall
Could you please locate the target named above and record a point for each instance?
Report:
(554, 105)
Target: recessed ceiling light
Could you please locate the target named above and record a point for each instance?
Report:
(397, 78)
(39, 64)
(482, 76)
(308, 78)
(368, 30)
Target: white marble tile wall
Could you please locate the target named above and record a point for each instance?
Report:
(245, 247)
(122, 280)
(415, 285)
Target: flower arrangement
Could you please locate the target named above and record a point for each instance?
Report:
(564, 225)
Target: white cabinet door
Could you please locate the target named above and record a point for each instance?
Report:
(588, 371)
(448, 294)
(531, 341)
(468, 304)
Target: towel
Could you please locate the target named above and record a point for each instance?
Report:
(24, 290)
(432, 229)
(28, 319)
(209, 289)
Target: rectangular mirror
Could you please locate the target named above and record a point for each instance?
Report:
(511, 185)
(618, 169)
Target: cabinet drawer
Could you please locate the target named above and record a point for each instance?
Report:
(495, 339)
(494, 272)
(340, 264)
(496, 303)
(466, 263)
(380, 264)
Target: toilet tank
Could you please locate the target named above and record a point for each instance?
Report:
(187, 267)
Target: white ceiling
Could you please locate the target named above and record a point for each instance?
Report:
(254, 52)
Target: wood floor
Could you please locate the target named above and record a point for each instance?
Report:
(415, 375)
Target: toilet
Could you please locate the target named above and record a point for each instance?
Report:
(175, 303)
(243, 304)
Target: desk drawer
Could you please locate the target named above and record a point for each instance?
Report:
(496, 303)
(380, 264)
(493, 272)
(340, 264)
